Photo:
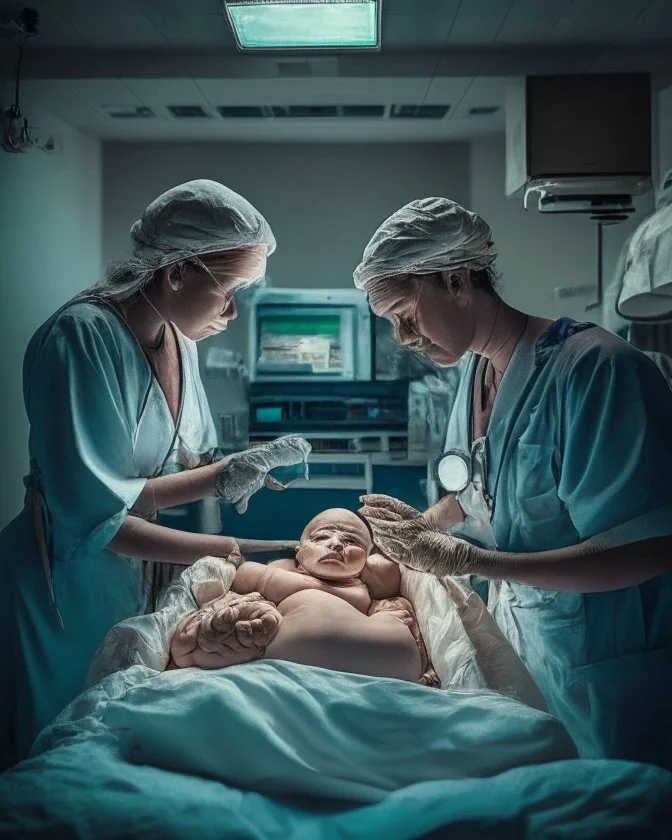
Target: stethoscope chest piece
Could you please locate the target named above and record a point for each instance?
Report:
(453, 470)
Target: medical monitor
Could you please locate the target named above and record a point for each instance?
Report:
(301, 335)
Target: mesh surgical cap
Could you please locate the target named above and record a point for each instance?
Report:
(196, 218)
(428, 235)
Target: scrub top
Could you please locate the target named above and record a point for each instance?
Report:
(579, 445)
(99, 427)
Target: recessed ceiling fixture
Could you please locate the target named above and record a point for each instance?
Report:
(188, 111)
(305, 24)
(483, 110)
(128, 112)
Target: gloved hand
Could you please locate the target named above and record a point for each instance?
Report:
(242, 474)
(408, 537)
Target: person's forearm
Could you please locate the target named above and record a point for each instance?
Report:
(586, 567)
(180, 488)
(273, 583)
(138, 538)
(265, 546)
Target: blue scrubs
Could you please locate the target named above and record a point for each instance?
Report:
(99, 427)
(579, 444)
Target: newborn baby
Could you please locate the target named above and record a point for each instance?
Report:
(336, 606)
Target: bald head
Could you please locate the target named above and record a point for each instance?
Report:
(335, 544)
(339, 519)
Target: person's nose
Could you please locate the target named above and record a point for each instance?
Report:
(231, 311)
(335, 543)
(405, 334)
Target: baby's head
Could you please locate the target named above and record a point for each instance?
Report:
(334, 545)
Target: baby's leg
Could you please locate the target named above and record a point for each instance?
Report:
(402, 609)
(227, 631)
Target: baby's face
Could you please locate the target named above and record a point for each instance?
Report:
(334, 545)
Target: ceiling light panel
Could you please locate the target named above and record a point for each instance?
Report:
(305, 24)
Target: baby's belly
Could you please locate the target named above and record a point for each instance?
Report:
(323, 630)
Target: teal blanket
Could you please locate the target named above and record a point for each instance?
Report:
(278, 750)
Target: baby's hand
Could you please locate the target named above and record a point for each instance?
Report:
(228, 631)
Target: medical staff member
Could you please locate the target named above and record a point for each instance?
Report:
(119, 429)
(564, 433)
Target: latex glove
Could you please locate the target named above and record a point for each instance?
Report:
(408, 537)
(242, 474)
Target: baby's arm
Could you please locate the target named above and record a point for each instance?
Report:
(382, 577)
(277, 583)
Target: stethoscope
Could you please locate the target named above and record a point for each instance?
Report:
(454, 470)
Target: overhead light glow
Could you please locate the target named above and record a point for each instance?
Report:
(304, 25)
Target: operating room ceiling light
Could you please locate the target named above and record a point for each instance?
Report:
(305, 24)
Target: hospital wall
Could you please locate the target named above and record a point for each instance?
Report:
(50, 238)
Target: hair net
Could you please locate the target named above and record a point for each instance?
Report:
(428, 235)
(188, 221)
(198, 217)
(646, 288)
(664, 196)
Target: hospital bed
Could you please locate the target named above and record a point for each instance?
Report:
(273, 749)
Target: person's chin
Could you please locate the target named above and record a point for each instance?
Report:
(208, 332)
(441, 357)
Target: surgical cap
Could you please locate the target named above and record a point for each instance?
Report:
(664, 197)
(196, 218)
(646, 290)
(428, 235)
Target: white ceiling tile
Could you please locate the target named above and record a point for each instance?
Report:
(539, 62)
(161, 92)
(485, 7)
(593, 29)
(480, 30)
(189, 30)
(121, 25)
(57, 96)
(178, 7)
(446, 91)
(609, 8)
(97, 92)
(655, 24)
(426, 8)
(460, 63)
(55, 31)
(525, 29)
(541, 8)
(416, 30)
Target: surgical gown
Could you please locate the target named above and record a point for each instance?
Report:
(579, 444)
(99, 427)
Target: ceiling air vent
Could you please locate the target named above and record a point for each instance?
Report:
(483, 110)
(419, 112)
(245, 112)
(305, 111)
(187, 111)
(363, 110)
(128, 112)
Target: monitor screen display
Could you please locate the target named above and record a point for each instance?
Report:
(301, 343)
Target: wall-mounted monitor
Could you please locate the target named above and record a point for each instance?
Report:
(300, 335)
